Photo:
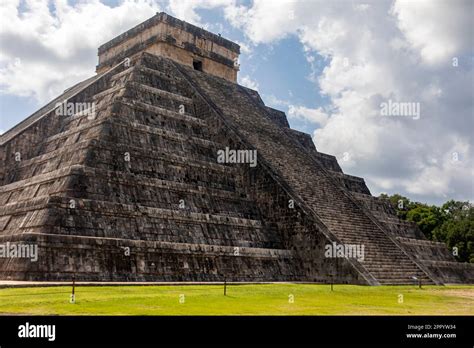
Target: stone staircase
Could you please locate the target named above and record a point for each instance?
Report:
(341, 215)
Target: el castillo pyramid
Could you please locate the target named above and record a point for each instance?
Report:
(130, 188)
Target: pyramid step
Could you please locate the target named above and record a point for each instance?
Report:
(142, 115)
(163, 145)
(397, 277)
(52, 158)
(38, 179)
(402, 264)
(166, 184)
(75, 153)
(156, 139)
(142, 69)
(383, 241)
(71, 130)
(154, 193)
(166, 100)
(114, 220)
(174, 96)
(119, 75)
(141, 210)
(116, 90)
(211, 250)
(377, 238)
(392, 270)
(36, 203)
(138, 221)
(53, 182)
(402, 281)
(163, 112)
(170, 134)
(389, 268)
(42, 164)
(156, 79)
(70, 136)
(102, 208)
(394, 258)
(143, 158)
(164, 199)
(104, 183)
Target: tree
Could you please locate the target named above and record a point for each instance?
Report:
(457, 230)
(452, 223)
(400, 203)
(426, 217)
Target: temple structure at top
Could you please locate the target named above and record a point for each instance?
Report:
(169, 37)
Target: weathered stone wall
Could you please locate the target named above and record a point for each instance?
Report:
(117, 204)
(278, 116)
(351, 183)
(182, 42)
(103, 259)
(451, 272)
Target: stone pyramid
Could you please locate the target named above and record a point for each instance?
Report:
(130, 187)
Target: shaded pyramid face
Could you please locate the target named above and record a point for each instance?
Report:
(148, 184)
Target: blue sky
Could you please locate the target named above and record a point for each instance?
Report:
(329, 65)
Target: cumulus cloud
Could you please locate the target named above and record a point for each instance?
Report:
(449, 22)
(248, 82)
(316, 115)
(186, 10)
(262, 21)
(275, 102)
(49, 46)
(245, 48)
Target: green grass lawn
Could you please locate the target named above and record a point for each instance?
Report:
(264, 299)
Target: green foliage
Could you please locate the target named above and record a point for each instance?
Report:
(457, 229)
(452, 223)
(401, 204)
(426, 217)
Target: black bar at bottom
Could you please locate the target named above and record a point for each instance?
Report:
(329, 330)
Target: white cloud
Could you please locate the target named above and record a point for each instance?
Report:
(317, 115)
(245, 48)
(262, 21)
(186, 10)
(247, 81)
(45, 51)
(275, 102)
(437, 29)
